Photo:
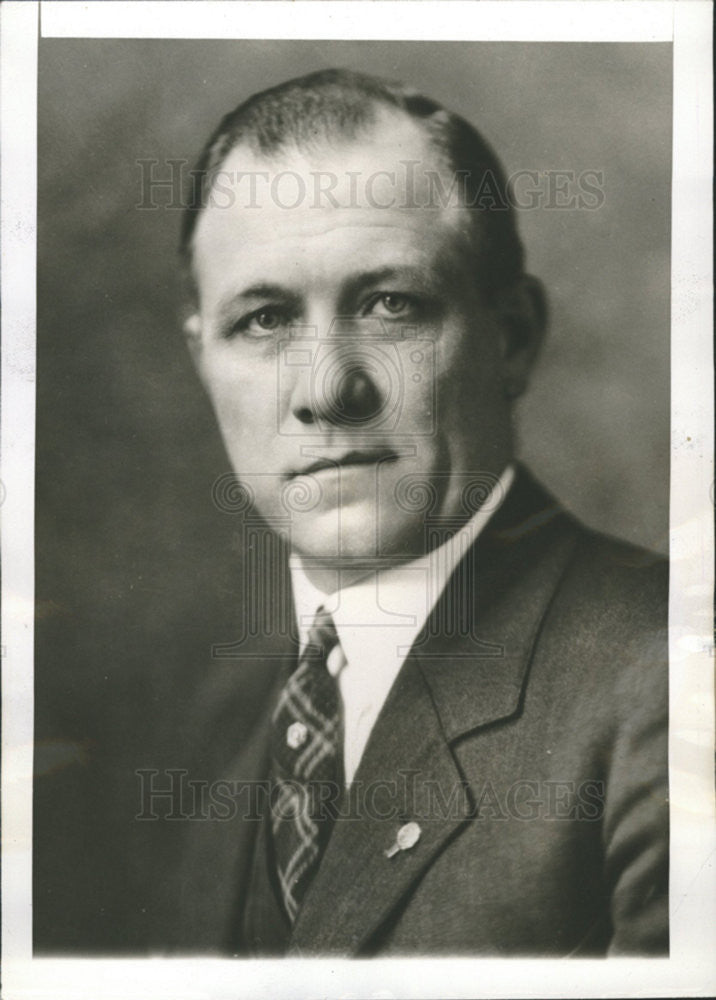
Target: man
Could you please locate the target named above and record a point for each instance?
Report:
(462, 749)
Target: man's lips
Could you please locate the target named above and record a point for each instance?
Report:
(350, 458)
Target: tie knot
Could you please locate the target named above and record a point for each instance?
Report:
(322, 634)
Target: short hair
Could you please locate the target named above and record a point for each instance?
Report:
(331, 104)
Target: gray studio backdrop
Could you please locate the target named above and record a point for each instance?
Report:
(127, 450)
(138, 573)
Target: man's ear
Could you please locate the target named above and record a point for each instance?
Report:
(522, 313)
(192, 333)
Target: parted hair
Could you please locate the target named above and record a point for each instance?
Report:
(335, 104)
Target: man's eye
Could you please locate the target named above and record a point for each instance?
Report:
(260, 323)
(392, 304)
(266, 320)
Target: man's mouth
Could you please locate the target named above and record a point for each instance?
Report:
(348, 460)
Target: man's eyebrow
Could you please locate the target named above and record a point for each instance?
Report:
(261, 290)
(427, 278)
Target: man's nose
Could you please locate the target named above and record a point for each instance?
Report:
(342, 387)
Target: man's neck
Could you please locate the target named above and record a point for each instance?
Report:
(330, 575)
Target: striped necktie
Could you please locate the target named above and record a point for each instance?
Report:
(307, 765)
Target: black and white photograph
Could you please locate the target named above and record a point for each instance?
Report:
(370, 512)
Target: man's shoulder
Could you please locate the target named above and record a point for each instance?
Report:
(605, 632)
(608, 604)
(600, 567)
(615, 568)
(598, 660)
(616, 586)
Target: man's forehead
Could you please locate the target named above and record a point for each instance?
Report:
(337, 252)
(392, 164)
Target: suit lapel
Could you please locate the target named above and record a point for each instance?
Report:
(466, 670)
(476, 662)
(405, 765)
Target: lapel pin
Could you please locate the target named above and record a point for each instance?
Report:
(296, 735)
(407, 837)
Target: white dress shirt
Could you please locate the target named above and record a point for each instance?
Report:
(379, 618)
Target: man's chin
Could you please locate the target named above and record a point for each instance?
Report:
(336, 535)
(353, 535)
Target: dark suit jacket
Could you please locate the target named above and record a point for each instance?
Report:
(526, 734)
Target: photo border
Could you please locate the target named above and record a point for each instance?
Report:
(690, 969)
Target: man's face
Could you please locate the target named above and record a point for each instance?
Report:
(353, 367)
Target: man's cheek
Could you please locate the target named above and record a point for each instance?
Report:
(250, 448)
(245, 405)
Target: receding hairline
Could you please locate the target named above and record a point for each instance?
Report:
(416, 156)
(369, 131)
(332, 108)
